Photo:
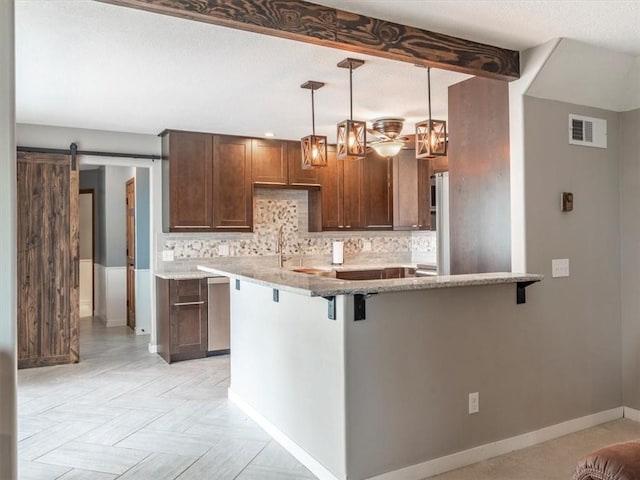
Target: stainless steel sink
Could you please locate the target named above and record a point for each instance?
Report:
(364, 273)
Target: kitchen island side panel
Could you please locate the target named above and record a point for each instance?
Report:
(413, 361)
(288, 365)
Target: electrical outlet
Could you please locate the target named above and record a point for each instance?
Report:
(366, 245)
(223, 250)
(474, 402)
(167, 256)
(560, 267)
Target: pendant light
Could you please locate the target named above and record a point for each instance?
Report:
(314, 147)
(431, 135)
(352, 134)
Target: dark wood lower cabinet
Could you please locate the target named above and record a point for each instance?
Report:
(181, 308)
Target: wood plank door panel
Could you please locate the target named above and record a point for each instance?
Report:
(48, 260)
(232, 192)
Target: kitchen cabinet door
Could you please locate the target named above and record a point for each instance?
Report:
(232, 189)
(378, 192)
(354, 194)
(297, 175)
(269, 161)
(182, 319)
(331, 178)
(412, 192)
(187, 176)
(424, 195)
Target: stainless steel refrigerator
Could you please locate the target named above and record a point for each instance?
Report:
(442, 222)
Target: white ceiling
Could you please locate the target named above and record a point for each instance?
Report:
(91, 65)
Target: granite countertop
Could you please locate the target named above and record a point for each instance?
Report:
(319, 286)
(185, 275)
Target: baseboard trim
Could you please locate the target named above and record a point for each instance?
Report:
(450, 462)
(289, 445)
(632, 414)
(490, 450)
(152, 348)
(116, 322)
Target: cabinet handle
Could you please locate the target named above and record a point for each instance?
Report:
(187, 303)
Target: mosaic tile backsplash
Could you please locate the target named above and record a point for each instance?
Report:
(288, 209)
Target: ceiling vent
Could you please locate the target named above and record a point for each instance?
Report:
(587, 131)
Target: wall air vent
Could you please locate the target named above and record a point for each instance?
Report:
(587, 131)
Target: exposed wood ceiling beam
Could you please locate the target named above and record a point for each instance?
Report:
(320, 25)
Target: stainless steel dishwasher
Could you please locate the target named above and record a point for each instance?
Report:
(218, 321)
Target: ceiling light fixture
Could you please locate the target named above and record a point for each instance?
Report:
(314, 147)
(431, 135)
(352, 134)
(387, 130)
(269, 134)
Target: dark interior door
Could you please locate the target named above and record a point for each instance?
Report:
(48, 260)
(131, 253)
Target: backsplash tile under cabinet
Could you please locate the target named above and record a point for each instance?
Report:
(273, 209)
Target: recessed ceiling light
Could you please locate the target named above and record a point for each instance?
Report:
(269, 134)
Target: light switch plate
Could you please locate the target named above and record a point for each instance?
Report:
(560, 267)
(223, 250)
(366, 245)
(167, 256)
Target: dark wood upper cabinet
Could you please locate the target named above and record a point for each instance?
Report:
(356, 194)
(440, 164)
(425, 220)
(187, 181)
(331, 178)
(232, 189)
(353, 193)
(411, 192)
(297, 175)
(269, 161)
(378, 192)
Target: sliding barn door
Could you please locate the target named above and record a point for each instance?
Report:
(48, 260)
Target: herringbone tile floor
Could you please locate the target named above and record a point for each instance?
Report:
(124, 413)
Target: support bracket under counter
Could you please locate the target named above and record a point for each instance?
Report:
(359, 303)
(521, 296)
(331, 314)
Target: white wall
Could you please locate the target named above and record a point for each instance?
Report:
(8, 365)
(586, 75)
(289, 366)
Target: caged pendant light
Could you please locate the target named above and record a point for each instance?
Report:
(431, 135)
(352, 134)
(314, 147)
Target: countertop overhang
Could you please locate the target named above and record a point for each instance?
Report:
(319, 286)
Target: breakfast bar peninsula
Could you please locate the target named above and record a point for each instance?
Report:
(355, 377)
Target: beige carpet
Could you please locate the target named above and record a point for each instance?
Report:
(552, 460)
